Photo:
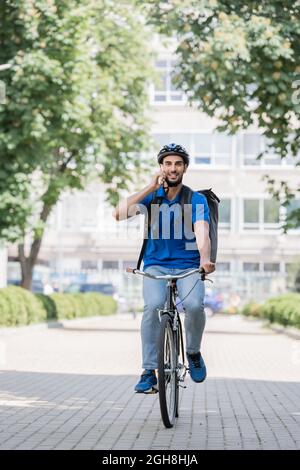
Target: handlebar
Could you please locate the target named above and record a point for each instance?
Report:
(168, 277)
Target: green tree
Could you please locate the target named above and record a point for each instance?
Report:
(75, 109)
(239, 61)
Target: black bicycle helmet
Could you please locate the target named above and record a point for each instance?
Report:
(173, 149)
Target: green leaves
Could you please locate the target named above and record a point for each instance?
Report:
(239, 62)
(15, 208)
(76, 102)
(237, 56)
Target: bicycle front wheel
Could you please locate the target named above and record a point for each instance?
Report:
(167, 372)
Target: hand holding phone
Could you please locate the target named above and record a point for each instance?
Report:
(159, 180)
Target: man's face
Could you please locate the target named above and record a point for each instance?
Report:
(174, 167)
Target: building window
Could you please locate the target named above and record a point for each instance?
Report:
(223, 267)
(110, 265)
(225, 214)
(182, 139)
(271, 212)
(293, 205)
(202, 144)
(204, 148)
(270, 157)
(292, 160)
(202, 160)
(165, 91)
(293, 276)
(89, 264)
(251, 214)
(271, 267)
(250, 267)
(212, 149)
(261, 214)
(222, 148)
(250, 145)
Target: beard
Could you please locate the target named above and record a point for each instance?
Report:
(174, 183)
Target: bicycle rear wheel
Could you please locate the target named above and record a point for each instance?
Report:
(167, 372)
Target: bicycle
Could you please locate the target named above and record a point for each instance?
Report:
(170, 356)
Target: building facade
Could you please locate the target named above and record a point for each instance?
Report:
(255, 258)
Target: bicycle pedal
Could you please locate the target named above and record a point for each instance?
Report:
(151, 392)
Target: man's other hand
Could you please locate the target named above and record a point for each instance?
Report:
(208, 267)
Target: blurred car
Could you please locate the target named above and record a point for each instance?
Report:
(102, 288)
(213, 302)
(37, 287)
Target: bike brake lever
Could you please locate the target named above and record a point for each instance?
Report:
(204, 278)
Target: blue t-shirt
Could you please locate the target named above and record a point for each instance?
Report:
(172, 243)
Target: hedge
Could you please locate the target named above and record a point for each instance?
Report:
(82, 305)
(252, 309)
(18, 306)
(284, 309)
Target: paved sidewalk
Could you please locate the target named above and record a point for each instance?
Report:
(72, 388)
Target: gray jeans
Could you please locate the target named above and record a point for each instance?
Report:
(154, 292)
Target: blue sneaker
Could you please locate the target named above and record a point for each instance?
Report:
(197, 368)
(147, 383)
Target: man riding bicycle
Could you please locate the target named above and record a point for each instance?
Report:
(172, 255)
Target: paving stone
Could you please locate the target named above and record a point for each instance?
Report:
(72, 388)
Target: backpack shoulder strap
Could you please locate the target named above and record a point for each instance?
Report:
(155, 200)
(186, 195)
(185, 202)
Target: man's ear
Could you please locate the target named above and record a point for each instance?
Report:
(185, 168)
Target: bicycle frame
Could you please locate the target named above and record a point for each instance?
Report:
(170, 306)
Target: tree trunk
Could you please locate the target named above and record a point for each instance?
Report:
(28, 262)
(26, 269)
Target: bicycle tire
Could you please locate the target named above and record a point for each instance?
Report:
(180, 359)
(167, 371)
